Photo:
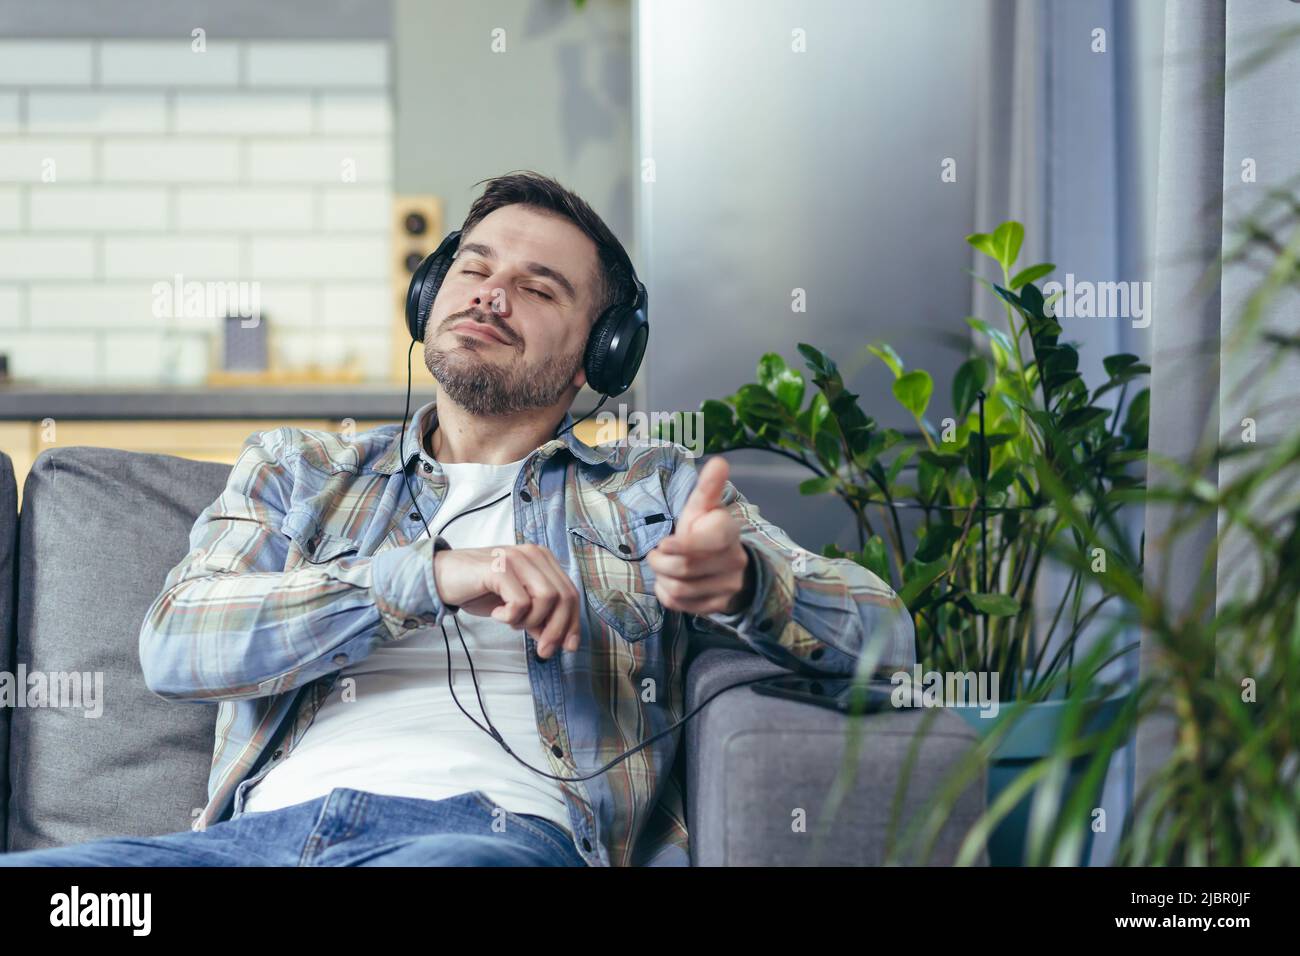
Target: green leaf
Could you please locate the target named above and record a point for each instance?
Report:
(897, 465)
(1000, 338)
(817, 486)
(967, 383)
(1031, 300)
(1031, 273)
(887, 355)
(984, 243)
(827, 444)
(942, 462)
(1001, 479)
(756, 407)
(1137, 421)
(917, 578)
(928, 475)
(913, 391)
(874, 559)
(1117, 363)
(781, 380)
(935, 541)
(824, 369)
(998, 605)
(1006, 242)
(718, 418)
(978, 458)
(1083, 417)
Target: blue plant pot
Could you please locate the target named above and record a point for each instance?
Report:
(1032, 738)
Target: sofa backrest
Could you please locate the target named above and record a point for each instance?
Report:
(98, 532)
(8, 584)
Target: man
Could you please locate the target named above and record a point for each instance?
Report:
(314, 603)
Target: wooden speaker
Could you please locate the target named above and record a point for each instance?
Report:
(417, 230)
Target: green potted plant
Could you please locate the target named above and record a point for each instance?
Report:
(1225, 690)
(956, 516)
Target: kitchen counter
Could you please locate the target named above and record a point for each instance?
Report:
(364, 401)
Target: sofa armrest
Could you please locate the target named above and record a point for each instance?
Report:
(754, 762)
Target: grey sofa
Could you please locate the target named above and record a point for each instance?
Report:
(99, 531)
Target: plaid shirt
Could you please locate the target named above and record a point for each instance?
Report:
(312, 555)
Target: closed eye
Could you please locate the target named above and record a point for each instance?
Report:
(466, 270)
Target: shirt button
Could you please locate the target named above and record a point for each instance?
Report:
(625, 549)
(276, 755)
(428, 468)
(340, 658)
(526, 496)
(411, 622)
(413, 516)
(555, 749)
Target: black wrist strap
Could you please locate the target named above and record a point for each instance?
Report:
(440, 544)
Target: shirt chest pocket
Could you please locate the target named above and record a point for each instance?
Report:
(309, 544)
(616, 575)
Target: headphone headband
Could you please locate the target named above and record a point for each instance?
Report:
(615, 345)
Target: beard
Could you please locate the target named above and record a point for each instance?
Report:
(484, 387)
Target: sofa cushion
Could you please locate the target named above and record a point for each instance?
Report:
(100, 529)
(8, 569)
(757, 766)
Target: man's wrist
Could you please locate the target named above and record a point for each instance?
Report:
(745, 596)
(440, 544)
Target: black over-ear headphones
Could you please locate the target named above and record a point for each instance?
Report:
(614, 348)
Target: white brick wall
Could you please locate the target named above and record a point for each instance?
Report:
(240, 113)
(37, 257)
(11, 306)
(362, 305)
(331, 161)
(245, 209)
(8, 112)
(45, 63)
(168, 63)
(11, 213)
(318, 64)
(46, 161)
(356, 209)
(320, 258)
(82, 112)
(124, 163)
(170, 161)
(49, 357)
(157, 259)
(109, 306)
(98, 208)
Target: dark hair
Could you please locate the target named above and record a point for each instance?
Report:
(527, 188)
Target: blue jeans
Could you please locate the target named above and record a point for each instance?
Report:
(343, 828)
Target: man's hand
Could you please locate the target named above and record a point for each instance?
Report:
(702, 567)
(520, 585)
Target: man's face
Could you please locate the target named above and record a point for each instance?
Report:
(508, 329)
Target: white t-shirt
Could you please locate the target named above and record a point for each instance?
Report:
(390, 725)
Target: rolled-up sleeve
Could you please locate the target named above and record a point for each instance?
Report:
(232, 623)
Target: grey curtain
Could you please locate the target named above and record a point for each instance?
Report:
(1229, 134)
(1067, 146)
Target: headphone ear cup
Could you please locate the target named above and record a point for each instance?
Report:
(597, 357)
(429, 293)
(426, 280)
